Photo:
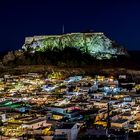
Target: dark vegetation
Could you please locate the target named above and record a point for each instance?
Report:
(70, 60)
(69, 57)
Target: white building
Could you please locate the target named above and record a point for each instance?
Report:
(36, 123)
(2, 116)
(120, 123)
(71, 130)
(98, 95)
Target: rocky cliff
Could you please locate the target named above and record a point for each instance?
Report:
(95, 44)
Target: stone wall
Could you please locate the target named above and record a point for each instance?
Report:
(92, 43)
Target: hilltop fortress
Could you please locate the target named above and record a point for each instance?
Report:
(92, 43)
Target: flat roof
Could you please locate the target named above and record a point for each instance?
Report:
(34, 121)
(66, 126)
(126, 114)
(120, 121)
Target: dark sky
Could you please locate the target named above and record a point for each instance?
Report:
(118, 19)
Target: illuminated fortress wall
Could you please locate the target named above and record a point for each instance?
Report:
(93, 43)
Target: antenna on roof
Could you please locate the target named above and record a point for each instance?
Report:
(63, 29)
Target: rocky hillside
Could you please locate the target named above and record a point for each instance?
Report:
(95, 44)
(67, 50)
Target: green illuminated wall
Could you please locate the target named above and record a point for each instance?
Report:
(92, 43)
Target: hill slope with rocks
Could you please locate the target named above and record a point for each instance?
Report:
(68, 50)
(95, 44)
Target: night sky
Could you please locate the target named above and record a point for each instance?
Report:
(118, 19)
